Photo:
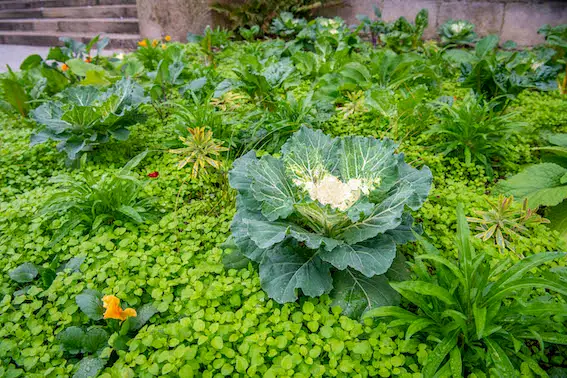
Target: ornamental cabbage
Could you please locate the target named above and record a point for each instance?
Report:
(327, 205)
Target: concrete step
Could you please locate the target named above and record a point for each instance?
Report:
(31, 4)
(97, 11)
(35, 38)
(72, 25)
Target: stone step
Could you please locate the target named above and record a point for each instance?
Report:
(72, 25)
(31, 4)
(97, 11)
(34, 38)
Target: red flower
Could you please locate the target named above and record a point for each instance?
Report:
(153, 174)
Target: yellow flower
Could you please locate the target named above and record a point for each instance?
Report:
(163, 46)
(143, 43)
(155, 43)
(167, 38)
(64, 67)
(113, 309)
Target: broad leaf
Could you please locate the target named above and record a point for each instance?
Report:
(90, 302)
(357, 294)
(272, 188)
(284, 271)
(95, 339)
(540, 184)
(89, 367)
(24, 273)
(371, 257)
(72, 339)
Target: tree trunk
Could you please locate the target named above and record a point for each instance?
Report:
(176, 18)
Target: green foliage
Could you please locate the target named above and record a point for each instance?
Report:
(457, 32)
(92, 342)
(402, 36)
(261, 82)
(91, 201)
(326, 204)
(216, 321)
(502, 76)
(262, 12)
(285, 25)
(481, 316)
(472, 130)
(399, 35)
(200, 150)
(503, 222)
(544, 184)
(83, 117)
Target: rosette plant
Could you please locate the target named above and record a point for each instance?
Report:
(328, 213)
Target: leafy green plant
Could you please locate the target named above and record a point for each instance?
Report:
(112, 327)
(457, 32)
(262, 12)
(556, 38)
(502, 76)
(165, 79)
(402, 36)
(92, 201)
(481, 316)
(83, 118)
(262, 82)
(472, 130)
(286, 25)
(249, 33)
(27, 273)
(327, 211)
(201, 151)
(375, 27)
(504, 223)
(544, 184)
(211, 41)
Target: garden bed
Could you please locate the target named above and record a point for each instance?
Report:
(130, 187)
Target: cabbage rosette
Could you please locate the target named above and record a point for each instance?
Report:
(328, 213)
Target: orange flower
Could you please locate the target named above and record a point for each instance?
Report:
(167, 38)
(88, 59)
(155, 43)
(143, 43)
(113, 309)
(64, 67)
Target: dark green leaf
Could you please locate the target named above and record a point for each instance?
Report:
(90, 302)
(24, 273)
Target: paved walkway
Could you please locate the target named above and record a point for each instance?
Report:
(14, 55)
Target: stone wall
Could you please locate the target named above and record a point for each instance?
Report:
(516, 20)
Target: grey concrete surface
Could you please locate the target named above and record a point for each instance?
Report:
(14, 55)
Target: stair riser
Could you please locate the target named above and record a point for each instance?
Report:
(93, 12)
(127, 44)
(60, 3)
(73, 27)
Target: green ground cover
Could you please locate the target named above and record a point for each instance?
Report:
(118, 179)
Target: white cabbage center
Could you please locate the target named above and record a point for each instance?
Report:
(330, 190)
(458, 27)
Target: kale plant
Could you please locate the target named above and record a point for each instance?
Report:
(457, 32)
(328, 212)
(83, 118)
